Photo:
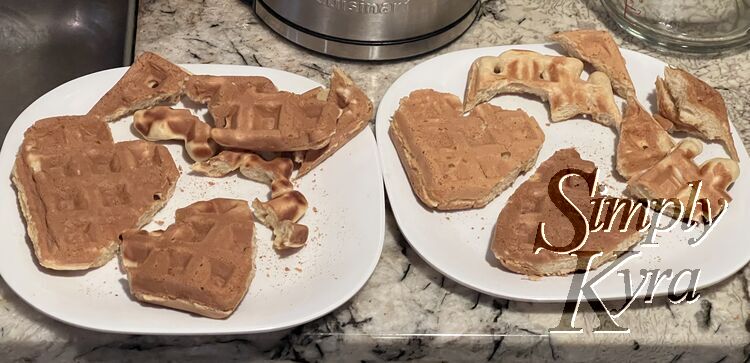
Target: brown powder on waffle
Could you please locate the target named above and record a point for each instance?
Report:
(204, 88)
(671, 178)
(151, 80)
(281, 121)
(642, 142)
(281, 215)
(516, 229)
(598, 48)
(355, 112)
(203, 263)
(694, 107)
(163, 123)
(78, 190)
(456, 162)
(555, 79)
(275, 173)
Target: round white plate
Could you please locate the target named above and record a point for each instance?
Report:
(457, 243)
(346, 220)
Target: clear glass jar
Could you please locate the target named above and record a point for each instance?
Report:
(688, 25)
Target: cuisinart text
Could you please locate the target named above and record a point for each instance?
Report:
(366, 7)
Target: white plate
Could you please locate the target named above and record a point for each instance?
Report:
(457, 243)
(346, 221)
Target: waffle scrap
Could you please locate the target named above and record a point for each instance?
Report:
(163, 123)
(286, 207)
(555, 79)
(642, 142)
(281, 214)
(598, 48)
(671, 177)
(275, 173)
(694, 107)
(356, 111)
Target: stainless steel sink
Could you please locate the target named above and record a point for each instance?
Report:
(44, 43)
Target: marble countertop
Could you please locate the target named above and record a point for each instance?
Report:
(407, 310)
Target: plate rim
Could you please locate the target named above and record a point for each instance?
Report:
(381, 131)
(248, 70)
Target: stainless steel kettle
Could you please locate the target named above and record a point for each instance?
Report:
(369, 29)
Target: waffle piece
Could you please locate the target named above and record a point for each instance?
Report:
(355, 112)
(598, 48)
(642, 142)
(281, 215)
(203, 263)
(694, 107)
(456, 162)
(665, 104)
(280, 121)
(555, 79)
(286, 206)
(517, 225)
(163, 123)
(274, 173)
(203, 88)
(667, 125)
(671, 178)
(151, 80)
(78, 190)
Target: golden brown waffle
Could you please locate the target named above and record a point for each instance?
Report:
(274, 173)
(642, 142)
(203, 263)
(694, 107)
(355, 112)
(150, 81)
(163, 123)
(204, 88)
(281, 215)
(280, 121)
(555, 79)
(598, 48)
(671, 178)
(78, 190)
(456, 162)
(516, 229)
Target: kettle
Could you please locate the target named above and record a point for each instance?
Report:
(369, 29)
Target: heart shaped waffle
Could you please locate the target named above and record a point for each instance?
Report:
(203, 263)
(79, 191)
(456, 162)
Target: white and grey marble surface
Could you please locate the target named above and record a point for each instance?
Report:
(407, 310)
